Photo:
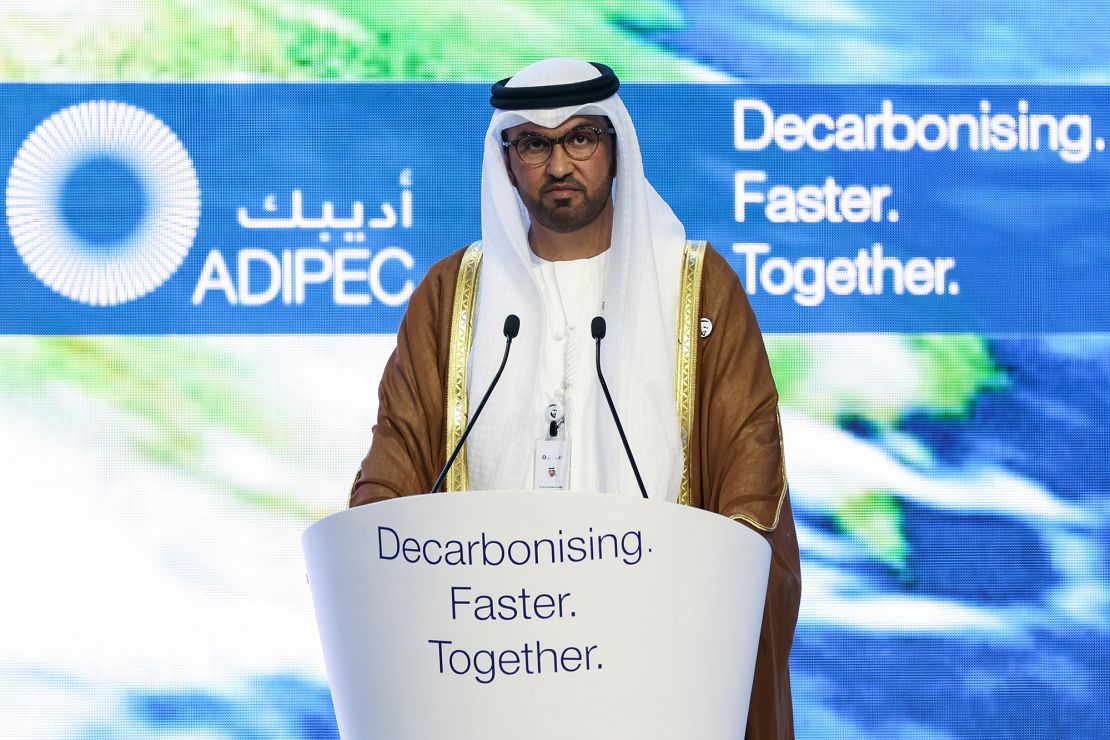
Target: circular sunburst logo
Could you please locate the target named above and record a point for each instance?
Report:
(103, 202)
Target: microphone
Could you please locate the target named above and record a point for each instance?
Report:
(512, 328)
(597, 329)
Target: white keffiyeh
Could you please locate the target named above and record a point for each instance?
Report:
(641, 304)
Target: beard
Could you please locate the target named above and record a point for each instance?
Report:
(565, 215)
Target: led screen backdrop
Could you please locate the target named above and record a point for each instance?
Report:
(215, 212)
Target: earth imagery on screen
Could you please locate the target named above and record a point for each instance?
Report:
(948, 489)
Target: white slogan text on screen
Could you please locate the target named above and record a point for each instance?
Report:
(756, 127)
(870, 273)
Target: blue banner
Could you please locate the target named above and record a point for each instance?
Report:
(315, 208)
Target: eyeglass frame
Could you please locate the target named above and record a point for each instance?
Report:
(533, 135)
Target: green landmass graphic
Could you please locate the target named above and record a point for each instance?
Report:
(875, 519)
(180, 391)
(839, 378)
(828, 376)
(457, 40)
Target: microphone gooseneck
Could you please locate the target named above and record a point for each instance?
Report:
(512, 328)
(597, 329)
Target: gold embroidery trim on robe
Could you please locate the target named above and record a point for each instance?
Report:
(686, 364)
(462, 334)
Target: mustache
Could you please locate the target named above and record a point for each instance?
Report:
(566, 183)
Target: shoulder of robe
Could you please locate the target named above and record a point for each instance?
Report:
(720, 283)
(447, 269)
(438, 285)
(722, 293)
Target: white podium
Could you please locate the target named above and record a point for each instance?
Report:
(508, 615)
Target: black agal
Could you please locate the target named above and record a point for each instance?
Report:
(555, 96)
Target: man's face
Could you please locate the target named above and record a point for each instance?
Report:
(564, 194)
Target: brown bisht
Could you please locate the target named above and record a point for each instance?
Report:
(735, 461)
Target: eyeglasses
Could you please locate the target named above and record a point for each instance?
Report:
(579, 143)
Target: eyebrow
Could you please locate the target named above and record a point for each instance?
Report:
(580, 121)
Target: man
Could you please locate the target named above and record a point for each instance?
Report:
(571, 229)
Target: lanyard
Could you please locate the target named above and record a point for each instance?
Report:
(555, 415)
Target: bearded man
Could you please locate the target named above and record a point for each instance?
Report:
(571, 229)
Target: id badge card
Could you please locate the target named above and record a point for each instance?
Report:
(551, 471)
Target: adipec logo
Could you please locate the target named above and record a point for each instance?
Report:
(103, 202)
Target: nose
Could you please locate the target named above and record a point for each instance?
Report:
(559, 164)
